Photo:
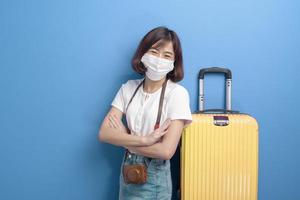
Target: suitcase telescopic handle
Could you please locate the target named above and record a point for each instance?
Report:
(228, 77)
(225, 71)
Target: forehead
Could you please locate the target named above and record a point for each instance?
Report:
(163, 45)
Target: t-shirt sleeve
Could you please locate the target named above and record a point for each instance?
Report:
(179, 106)
(119, 101)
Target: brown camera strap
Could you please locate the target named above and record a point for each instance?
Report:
(162, 94)
(161, 99)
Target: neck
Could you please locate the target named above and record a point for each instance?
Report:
(151, 86)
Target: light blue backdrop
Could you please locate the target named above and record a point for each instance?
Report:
(62, 62)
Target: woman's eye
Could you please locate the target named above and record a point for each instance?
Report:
(168, 57)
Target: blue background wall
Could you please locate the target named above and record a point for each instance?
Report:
(62, 62)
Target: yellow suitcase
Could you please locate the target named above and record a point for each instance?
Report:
(219, 151)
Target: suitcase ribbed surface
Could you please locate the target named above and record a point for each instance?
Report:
(220, 162)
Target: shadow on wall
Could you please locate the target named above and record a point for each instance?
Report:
(175, 171)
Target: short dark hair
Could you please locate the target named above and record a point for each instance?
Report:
(162, 34)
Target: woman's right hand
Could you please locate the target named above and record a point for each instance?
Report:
(156, 135)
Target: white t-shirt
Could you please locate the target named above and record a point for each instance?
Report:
(142, 111)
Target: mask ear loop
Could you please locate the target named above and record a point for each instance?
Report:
(143, 66)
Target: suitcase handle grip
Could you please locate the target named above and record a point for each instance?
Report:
(228, 77)
(218, 111)
(225, 71)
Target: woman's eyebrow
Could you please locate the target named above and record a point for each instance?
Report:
(169, 52)
(154, 48)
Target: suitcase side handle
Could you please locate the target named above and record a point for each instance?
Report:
(228, 77)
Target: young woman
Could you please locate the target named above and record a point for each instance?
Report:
(156, 108)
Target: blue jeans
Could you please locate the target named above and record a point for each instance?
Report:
(159, 182)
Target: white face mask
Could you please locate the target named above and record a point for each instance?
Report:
(157, 67)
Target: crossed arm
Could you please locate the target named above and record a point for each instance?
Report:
(160, 144)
